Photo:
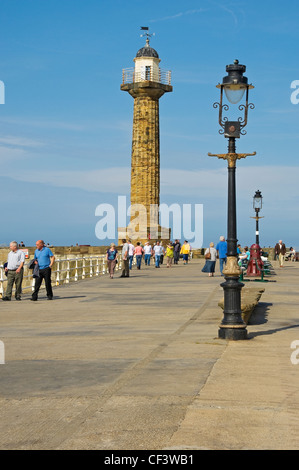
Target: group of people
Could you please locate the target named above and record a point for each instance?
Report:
(43, 260)
(220, 252)
(172, 253)
(41, 266)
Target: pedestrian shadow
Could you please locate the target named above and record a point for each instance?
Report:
(68, 297)
(56, 297)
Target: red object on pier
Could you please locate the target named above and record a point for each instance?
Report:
(255, 261)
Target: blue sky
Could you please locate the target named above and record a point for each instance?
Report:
(66, 128)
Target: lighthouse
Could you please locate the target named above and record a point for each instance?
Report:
(146, 83)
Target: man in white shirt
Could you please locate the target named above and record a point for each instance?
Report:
(158, 250)
(147, 253)
(131, 253)
(14, 270)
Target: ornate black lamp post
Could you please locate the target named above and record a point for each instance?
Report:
(255, 250)
(234, 85)
(257, 206)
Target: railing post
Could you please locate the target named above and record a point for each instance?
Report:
(103, 265)
(76, 269)
(83, 268)
(67, 279)
(57, 272)
(1, 282)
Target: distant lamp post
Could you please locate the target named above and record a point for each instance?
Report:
(257, 206)
(235, 85)
(255, 250)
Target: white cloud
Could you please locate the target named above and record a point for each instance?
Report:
(8, 155)
(178, 15)
(19, 141)
(43, 123)
(275, 182)
(109, 180)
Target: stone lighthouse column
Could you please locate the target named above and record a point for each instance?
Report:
(146, 83)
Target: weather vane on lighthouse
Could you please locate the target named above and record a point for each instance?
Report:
(146, 33)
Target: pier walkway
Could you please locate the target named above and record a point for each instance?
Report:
(129, 364)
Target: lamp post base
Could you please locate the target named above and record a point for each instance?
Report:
(232, 326)
(232, 332)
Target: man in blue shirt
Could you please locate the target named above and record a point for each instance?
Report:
(221, 248)
(44, 258)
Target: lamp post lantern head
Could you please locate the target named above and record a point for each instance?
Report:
(257, 201)
(234, 85)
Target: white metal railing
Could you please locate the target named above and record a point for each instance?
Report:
(131, 76)
(66, 270)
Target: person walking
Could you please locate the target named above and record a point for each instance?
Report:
(147, 253)
(162, 253)
(125, 258)
(131, 253)
(44, 257)
(14, 271)
(111, 258)
(185, 250)
(280, 251)
(176, 251)
(138, 252)
(210, 257)
(158, 251)
(221, 249)
(169, 254)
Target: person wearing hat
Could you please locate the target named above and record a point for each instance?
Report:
(147, 253)
(280, 251)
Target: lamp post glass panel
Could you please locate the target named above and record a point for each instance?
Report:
(257, 201)
(235, 86)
